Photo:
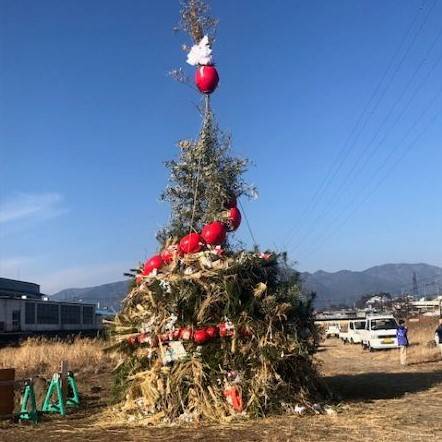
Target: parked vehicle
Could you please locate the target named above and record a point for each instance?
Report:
(379, 332)
(352, 333)
(332, 330)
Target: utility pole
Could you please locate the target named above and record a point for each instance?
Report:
(415, 288)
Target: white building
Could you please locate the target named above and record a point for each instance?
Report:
(23, 309)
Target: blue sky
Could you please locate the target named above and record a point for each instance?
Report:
(88, 114)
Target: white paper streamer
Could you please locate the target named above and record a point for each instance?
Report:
(200, 54)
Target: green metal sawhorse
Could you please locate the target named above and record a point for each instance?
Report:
(28, 404)
(60, 403)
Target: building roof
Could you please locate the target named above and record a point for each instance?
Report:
(12, 287)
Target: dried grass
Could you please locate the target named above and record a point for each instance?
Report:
(42, 356)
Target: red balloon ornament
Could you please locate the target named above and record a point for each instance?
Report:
(200, 336)
(214, 233)
(206, 79)
(191, 243)
(152, 264)
(169, 254)
(234, 217)
(231, 203)
(212, 331)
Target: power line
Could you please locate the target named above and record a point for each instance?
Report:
(357, 167)
(364, 117)
(382, 179)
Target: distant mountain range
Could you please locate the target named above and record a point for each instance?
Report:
(106, 295)
(344, 287)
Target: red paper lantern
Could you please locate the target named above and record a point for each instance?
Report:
(190, 243)
(214, 233)
(201, 336)
(231, 203)
(234, 217)
(153, 263)
(212, 331)
(206, 79)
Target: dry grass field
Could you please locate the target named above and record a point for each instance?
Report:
(377, 398)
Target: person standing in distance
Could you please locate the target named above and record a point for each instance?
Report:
(439, 335)
(402, 342)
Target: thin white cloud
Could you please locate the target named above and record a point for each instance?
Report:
(25, 206)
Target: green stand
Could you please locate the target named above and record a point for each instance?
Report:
(59, 405)
(73, 399)
(28, 405)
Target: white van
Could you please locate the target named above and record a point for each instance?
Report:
(379, 332)
(332, 330)
(352, 334)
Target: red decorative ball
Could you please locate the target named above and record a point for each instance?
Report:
(176, 334)
(153, 263)
(201, 336)
(231, 203)
(185, 333)
(234, 217)
(206, 79)
(224, 330)
(214, 233)
(191, 243)
(212, 331)
(169, 254)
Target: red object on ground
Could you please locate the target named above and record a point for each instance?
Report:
(206, 79)
(191, 243)
(234, 398)
(214, 233)
(153, 263)
(212, 331)
(201, 336)
(234, 217)
(231, 203)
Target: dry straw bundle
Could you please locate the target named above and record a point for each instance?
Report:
(208, 331)
(213, 337)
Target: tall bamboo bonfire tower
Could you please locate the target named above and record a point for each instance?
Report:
(209, 331)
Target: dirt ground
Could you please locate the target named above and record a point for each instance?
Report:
(379, 401)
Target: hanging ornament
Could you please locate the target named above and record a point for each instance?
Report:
(206, 79)
(201, 336)
(214, 233)
(191, 243)
(233, 397)
(234, 218)
(169, 254)
(152, 264)
(231, 203)
(212, 331)
(225, 329)
(185, 333)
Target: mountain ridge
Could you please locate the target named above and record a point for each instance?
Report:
(340, 287)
